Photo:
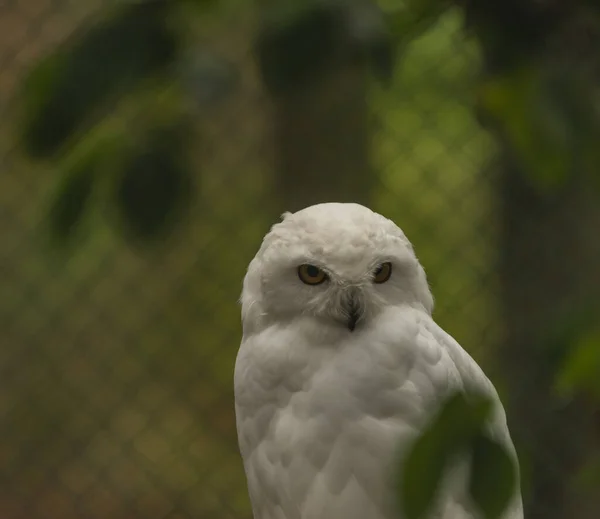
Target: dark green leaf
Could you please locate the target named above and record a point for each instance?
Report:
(556, 343)
(408, 19)
(80, 171)
(549, 117)
(493, 477)
(459, 419)
(572, 91)
(581, 371)
(154, 187)
(422, 473)
(98, 63)
(525, 114)
(462, 415)
(71, 202)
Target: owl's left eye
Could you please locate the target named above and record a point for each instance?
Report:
(311, 275)
(382, 273)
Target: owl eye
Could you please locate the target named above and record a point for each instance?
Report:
(382, 273)
(311, 275)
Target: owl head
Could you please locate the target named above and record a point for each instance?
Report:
(339, 264)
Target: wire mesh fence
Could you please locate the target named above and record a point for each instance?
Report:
(116, 360)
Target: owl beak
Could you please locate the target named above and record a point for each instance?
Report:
(353, 312)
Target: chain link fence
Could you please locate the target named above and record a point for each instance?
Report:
(116, 361)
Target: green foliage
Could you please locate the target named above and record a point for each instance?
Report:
(547, 116)
(570, 348)
(107, 108)
(154, 186)
(581, 370)
(408, 19)
(527, 117)
(491, 494)
(64, 93)
(69, 207)
(301, 42)
(539, 88)
(137, 156)
(78, 175)
(457, 429)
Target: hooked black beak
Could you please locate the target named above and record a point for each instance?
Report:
(353, 313)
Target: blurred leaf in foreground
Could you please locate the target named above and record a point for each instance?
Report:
(422, 473)
(459, 420)
(491, 494)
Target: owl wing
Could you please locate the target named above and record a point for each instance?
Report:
(473, 379)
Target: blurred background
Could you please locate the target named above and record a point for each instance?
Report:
(147, 146)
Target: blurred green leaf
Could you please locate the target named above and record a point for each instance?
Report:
(574, 92)
(462, 414)
(409, 18)
(528, 118)
(80, 171)
(64, 92)
(71, 202)
(403, 21)
(300, 41)
(155, 185)
(493, 477)
(460, 418)
(422, 473)
(581, 371)
(549, 117)
(556, 344)
(141, 148)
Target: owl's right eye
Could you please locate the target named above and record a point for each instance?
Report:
(311, 275)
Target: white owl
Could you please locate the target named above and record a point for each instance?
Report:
(340, 366)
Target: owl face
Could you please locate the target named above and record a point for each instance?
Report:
(339, 264)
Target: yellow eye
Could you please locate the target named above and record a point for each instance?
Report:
(311, 275)
(382, 273)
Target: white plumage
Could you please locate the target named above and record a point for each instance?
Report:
(339, 369)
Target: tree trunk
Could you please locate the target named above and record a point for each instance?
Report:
(322, 141)
(549, 269)
(316, 69)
